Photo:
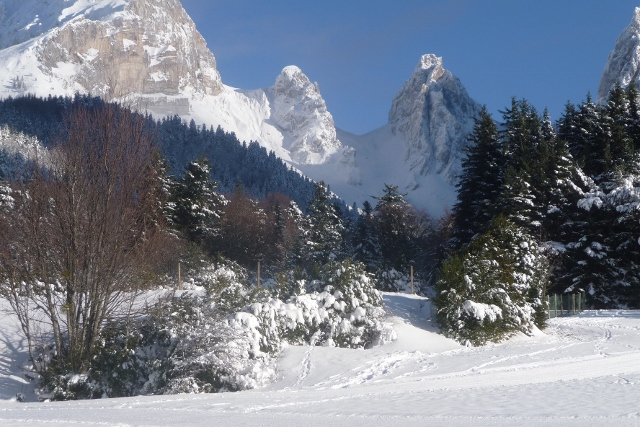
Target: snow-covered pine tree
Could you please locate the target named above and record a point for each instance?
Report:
(481, 181)
(589, 146)
(494, 287)
(546, 128)
(526, 155)
(606, 255)
(603, 252)
(326, 228)
(617, 144)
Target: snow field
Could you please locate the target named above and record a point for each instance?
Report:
(582, 370)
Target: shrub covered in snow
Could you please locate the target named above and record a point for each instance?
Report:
(185, 344)
(223, 335)
(340, 308)
(493, 288)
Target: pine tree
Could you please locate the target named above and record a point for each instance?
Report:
(548, 132)
(617, 144)
(521, 199)
(564, 186)
(590, 147)
(396, 228)
(481, 181)
(633, 115)
(568, 127)
(494, 287)
(197, 205)
(325, 228)
(604, 257)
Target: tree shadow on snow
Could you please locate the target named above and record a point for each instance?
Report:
(413, 309)
(13, 355)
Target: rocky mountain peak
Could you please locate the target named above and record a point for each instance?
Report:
(299, 109)
(293, 83)
(623, 64)
(434, 114)
(636, 18)
(430, 67)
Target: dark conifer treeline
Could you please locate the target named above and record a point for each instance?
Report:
(231, 161)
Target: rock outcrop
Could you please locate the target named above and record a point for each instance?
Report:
(298, 109)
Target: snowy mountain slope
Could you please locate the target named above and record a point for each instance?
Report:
(582, 371)
(623, 64)
(149, 55)
(385, 158)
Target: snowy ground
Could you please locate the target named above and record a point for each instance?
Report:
(582, 371)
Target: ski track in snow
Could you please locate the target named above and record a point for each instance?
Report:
(581, 371)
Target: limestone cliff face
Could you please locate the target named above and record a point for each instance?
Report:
(115, 49)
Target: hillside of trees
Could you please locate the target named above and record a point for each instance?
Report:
(232, 161)
(93, 223)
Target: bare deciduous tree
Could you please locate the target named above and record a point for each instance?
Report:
(85, 233)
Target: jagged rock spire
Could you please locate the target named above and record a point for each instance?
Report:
(623, 64)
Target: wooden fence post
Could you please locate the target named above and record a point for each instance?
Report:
(574, 304)
(179, 278)
(580, 302)
(412, 280)
(549, 306)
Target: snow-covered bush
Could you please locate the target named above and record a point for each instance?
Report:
(494, 288)
(225, 283)
(341, 308)
(222, 335)
(205, 352)
(187, 343)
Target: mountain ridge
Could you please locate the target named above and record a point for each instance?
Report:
(149, 55)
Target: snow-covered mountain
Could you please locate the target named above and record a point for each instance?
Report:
(149, 55)
(421, 147)
(623, 64)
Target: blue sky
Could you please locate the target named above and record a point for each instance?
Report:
(361, 51)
